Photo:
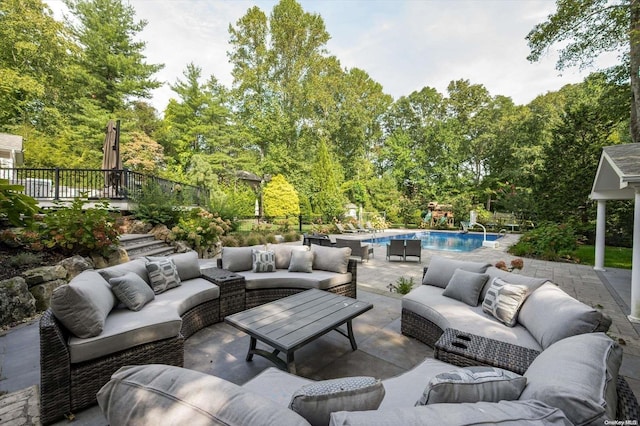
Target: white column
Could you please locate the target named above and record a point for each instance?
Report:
(635, 262)
(601, 220)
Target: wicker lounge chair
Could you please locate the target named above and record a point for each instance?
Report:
(395, 248)
(413, 248)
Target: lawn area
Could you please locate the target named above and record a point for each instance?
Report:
(614, 257)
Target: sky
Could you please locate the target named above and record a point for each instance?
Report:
(405, 45)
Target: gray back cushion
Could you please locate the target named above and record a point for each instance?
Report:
(131, 290)
(157, 394)
(283, 253)
(530, 282)
(330, 258)
(138, 266)
(82, 305)
(186, 263)
(578, 375)
(550, 315)
(236, 259)
(441, 270)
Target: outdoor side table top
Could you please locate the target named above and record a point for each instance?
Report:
(292, 322)
(465, 349)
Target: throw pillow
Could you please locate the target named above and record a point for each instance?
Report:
(473, 384)
(441, 270)
(503, 301)
(578, 375)
(284, 252)
(163, 275)
(316, 401)
(301, 261)
(518, 279)
(331, 259)
(82, 305)
(131, 290)
(263, 261)
(186, 263)
(465, 286)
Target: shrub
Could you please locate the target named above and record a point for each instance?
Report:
(155, 206)
(292, 236)
(229, 241)
(549, 242)
(16, 207)
(200, 229)
(280, 198)
(24, 258)
(76, 230)
(271, 239)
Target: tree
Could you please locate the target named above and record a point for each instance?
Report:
(114, 64)
(35, 53)
(588, 28)
(280, 198)
(327, 200)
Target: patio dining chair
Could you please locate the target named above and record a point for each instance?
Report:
(395, 248)
(413, 248)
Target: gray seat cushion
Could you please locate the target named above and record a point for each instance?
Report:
(157, 320)
(551, 315)
(578, 375)
(276, 385)
(284, 279)
(428, 302)
(166, 395)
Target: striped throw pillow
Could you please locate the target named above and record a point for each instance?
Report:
(504, 300)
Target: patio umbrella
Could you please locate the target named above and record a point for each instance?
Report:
(111, 155)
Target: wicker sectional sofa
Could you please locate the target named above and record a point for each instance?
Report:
(73, 368)
(571, 382)
(542, 314)
(566, 372)
(87, 335)
(327, 268)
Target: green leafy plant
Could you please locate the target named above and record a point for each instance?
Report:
(77, 230)
(200, 229)
(155, 206)
(549, 242)
(403, 285)
(15, 206)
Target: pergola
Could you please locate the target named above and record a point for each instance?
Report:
(618, 178)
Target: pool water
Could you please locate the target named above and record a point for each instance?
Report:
(434, 240)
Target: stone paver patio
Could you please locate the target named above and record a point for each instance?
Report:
(382, 351)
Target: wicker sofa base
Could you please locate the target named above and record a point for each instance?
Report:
(418, 327)
(66, 387)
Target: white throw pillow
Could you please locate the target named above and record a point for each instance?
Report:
(503, 301)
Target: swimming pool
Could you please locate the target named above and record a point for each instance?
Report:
(435, 240)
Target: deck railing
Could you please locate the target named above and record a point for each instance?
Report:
(124, 185)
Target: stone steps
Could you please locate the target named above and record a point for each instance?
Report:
(140, 245)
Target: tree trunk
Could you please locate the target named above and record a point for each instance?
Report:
(634, 50)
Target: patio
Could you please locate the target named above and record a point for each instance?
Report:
(382, 351)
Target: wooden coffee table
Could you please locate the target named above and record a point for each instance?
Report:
(290, 323)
